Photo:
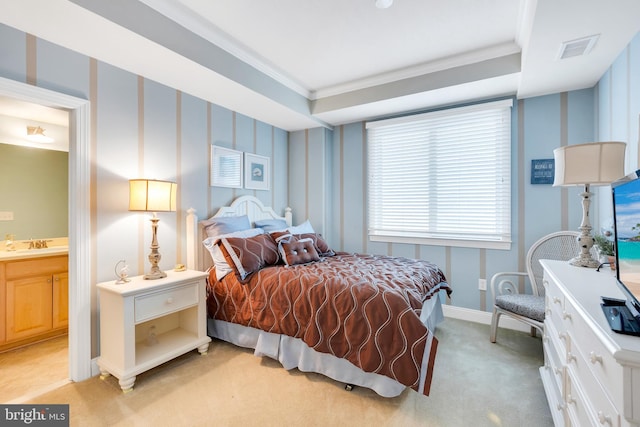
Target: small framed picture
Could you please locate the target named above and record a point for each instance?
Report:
(226, 167)
(542, 171)
(256, 172)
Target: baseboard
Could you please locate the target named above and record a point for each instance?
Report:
(95, 370)
(483, 317)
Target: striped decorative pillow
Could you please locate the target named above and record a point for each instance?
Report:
(250, 254)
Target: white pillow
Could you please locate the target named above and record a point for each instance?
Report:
(303, 228)
(270, 225)
(221, 265)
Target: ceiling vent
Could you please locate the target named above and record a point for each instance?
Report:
(578, 47)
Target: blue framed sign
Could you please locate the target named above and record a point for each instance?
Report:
(542, 171)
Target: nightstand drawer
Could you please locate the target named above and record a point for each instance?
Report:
(164, 302)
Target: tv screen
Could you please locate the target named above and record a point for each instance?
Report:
(624, 316)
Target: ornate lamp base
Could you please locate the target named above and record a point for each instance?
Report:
(585, 240)
(584, 262)
(154, 256)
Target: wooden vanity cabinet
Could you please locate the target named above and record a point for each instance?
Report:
(36, 299)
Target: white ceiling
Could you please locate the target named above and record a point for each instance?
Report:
(300, 64)
(16, 116)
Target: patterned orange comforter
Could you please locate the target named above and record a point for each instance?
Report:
(362, 308)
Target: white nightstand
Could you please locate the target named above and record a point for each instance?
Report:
(144, 323)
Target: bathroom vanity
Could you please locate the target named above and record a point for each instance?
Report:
(34, 294)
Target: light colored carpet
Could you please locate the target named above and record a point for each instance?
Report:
(29, 370)
(475, 383)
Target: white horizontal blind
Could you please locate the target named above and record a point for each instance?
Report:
(442, 176)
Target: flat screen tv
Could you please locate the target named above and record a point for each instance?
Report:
(623, 315)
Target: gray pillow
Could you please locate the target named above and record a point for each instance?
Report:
(218, 226)
(270, 225)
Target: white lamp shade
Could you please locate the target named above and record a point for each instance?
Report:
(149, 195)
(594, 163)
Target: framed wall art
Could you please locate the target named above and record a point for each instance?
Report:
(256, 172)
(226, 167)
(542, 171)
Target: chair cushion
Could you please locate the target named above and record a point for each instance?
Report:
(530, 306)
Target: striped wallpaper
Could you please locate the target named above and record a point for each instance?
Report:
(608, 111)
(539, 125)
(140, 128)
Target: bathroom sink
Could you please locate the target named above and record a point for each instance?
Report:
(25, 253)
(43, 250)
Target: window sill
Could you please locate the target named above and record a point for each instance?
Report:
(480, 244)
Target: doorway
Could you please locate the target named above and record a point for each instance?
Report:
(80, 238)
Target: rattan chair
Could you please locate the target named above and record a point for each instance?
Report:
(529, 308)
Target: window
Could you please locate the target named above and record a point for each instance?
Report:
(442, 178)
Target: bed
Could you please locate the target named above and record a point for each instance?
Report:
(364, 320)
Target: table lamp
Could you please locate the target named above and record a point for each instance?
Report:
(594, 163)
(148, 195)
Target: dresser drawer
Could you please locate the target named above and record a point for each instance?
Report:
(164, 302)
(555, 371)
(600, 405)
(580, 411)
(598, 361)
(554, 305)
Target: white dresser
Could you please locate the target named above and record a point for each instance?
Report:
(144, 323)
(591, 374)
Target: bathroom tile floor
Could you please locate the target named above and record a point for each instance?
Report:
(29, 371)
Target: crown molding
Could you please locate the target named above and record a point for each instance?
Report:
(187, 18)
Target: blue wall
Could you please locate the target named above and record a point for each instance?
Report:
(608, 112)
(140, 128)
(539, 126)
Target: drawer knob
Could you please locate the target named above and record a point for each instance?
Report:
(570, 400)
(557, 370)
(595, 358)
(562, 335)
(556, 300)
(571, 357)
(561, 406)
(566, 315)
(604, 419)
(170, 300)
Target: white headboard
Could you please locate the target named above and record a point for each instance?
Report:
(198, 257)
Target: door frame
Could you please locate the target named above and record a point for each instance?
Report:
(80, 238)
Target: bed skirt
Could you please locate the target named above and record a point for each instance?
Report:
(294, 353)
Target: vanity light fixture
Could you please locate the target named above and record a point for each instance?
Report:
(36, 134)
(149, 195)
